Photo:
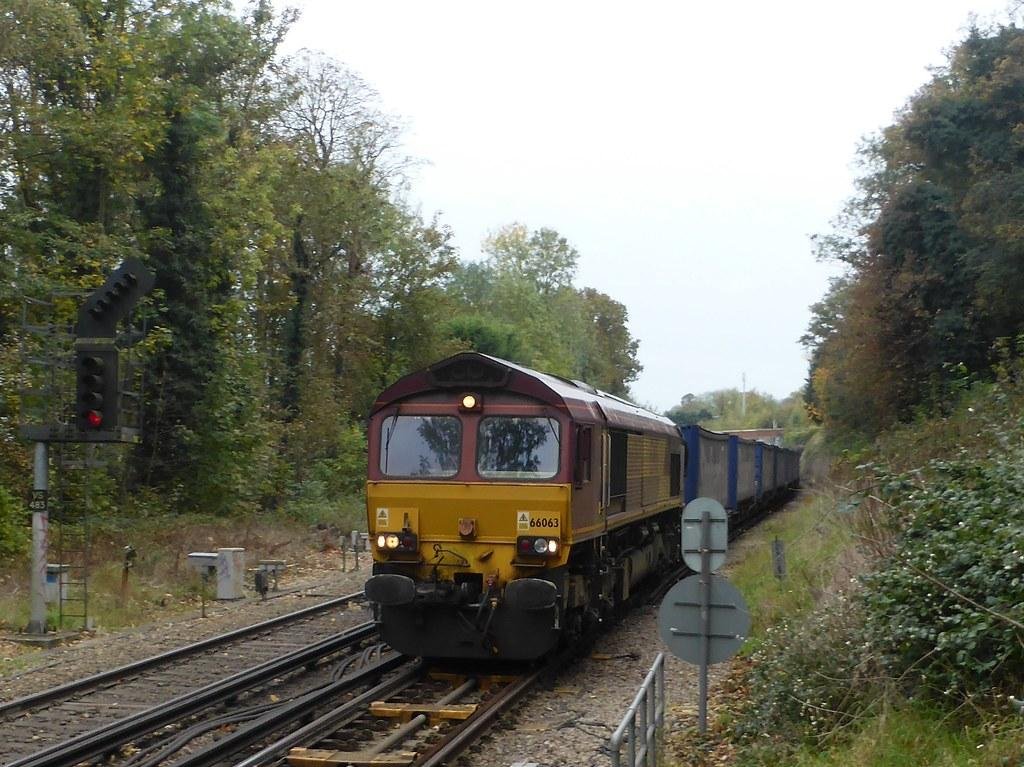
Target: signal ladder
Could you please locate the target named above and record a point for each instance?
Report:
(70, 531)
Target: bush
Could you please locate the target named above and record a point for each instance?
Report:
(948, 604)
(810, 678)
(15, 533)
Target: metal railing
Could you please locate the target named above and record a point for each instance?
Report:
(644, 718)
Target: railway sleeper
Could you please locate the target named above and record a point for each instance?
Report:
(313, 757)
(435, 713)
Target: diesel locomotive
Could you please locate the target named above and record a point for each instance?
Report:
(510, 509)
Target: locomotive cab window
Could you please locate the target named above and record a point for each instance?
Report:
(514, 447)
(420, 446)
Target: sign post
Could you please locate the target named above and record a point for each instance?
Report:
(703, 618)
(778, 559)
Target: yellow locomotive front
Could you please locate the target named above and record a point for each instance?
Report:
(468, 505)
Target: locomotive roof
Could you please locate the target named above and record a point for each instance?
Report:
(476, 371)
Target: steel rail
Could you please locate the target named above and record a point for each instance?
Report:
(106, 739)
(476, 725)
(79, 685)
(324, 725)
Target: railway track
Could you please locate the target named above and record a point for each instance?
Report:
(393, 710)
(423, 716)
(123, 701)
(369, 706)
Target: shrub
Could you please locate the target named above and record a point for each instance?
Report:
(810, 678)
(948, 604)
(14, 530)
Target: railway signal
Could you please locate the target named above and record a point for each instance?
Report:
(96, 373)
(96, 410)
(104, 308)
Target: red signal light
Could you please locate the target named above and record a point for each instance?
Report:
(94, 419)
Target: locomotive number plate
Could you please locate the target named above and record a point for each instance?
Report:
(530, 521)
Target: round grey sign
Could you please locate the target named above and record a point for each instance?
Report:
(679, 622)
(718, 533)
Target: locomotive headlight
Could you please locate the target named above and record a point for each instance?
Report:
(469, 402)
(541, 546)
(391, 541)
(552, 546)
(381, 541)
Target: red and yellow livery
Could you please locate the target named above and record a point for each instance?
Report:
(508, 508)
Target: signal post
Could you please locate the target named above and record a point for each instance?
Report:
(97, 410)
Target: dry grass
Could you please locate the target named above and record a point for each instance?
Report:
(160, 581)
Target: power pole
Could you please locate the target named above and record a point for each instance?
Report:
(743, 397)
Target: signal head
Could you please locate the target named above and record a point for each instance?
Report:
(97, 390)
(99, 315)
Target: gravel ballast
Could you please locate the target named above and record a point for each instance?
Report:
(566, 723)
(570, 723)
(104, 650)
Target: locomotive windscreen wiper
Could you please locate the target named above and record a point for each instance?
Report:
(553, 425)
(387, 440)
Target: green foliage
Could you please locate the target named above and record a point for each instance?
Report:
(728, 409)
(810, 669)
(14, 531)
(521, 302)
(543, 259)
(934, 624)
(932, 246)
(485, 335)
(811, 677)
(946, 607)
(814, 538)
(294, 281)
(911, 734)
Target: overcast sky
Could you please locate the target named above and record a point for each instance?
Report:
(687, 151)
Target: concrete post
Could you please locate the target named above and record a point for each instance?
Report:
(40, 531)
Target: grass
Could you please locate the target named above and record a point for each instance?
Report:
(817, 544)
(918, 735)
(160, 580)
(822, 559)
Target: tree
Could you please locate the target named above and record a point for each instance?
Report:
(932, 244)
(542, 258)
(521, 301)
